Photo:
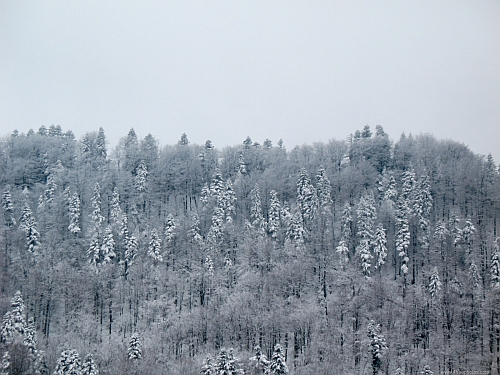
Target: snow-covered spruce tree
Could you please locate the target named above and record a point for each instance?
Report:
(96, 201)
(5, 364)
(422, 207)
(28, 225)
(295, 232)
(380, 245)
(256, 216)
(13, 322)
(365, 256)
(343, 252)
(131, 250)
(434, 283)
(116, 211)
(378, 346)
(30, 338)
(228, 201)
(208, 367)
(387, 188)
(194, 235)
(94, 251)
(89, 366)
(273, 221)
(277, 364)
(227, 364)
(242, 167)
(170, 227)
(402, 233)
(399, 371)
(307, 199)
(8, 208)
(141, 174)
(441, 232)
(134, 348)
(427, 370)
(108, 246)
(259, 361)
(495, 266)
(346, 223)
(74, 214)
(408, 189)
(50, 189)
(154, 247)
(68, 363)
(366, 212)
(324, 190)
(100, 144)
(221, 197)
(465, 235)
(474, 276)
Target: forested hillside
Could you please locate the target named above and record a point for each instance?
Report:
(362, 256)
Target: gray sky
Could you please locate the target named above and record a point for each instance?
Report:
(304, 71)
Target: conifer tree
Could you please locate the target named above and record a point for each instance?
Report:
(387, 188)
(8, 208)
(13, 322)
(402, 233)
(295, 232)
(68, 363)
(208, 367)
(50, 189)
(96, 201)
(422, 206)
(495, 266)
(307, 199)
(343, 252)
(256, 216)
(141, 174)
(277, 364)
(194, 231)
(30, 338)
(28, 224)
(154, 248)
(227, 364)
(242, 167)
(74, 214)
(465, 236)
(94, 251)
(100, 144)
(131, 250)
(116, 211)
(273, 221)
(324, 189)
(474, 277)
(434, 284)
(108, 246)
(135, 348)
(89, 367)
(408, 189)
(427, 370)
(5, 364)
(259, 360)
(366, 212)
(380, 245)
(378, 346)
(346, 223)
(170, 227)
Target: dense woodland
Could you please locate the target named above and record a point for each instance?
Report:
(359, 256)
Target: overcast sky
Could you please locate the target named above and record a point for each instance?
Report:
(303, 71)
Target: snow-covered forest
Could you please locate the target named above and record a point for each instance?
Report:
(357, 256)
